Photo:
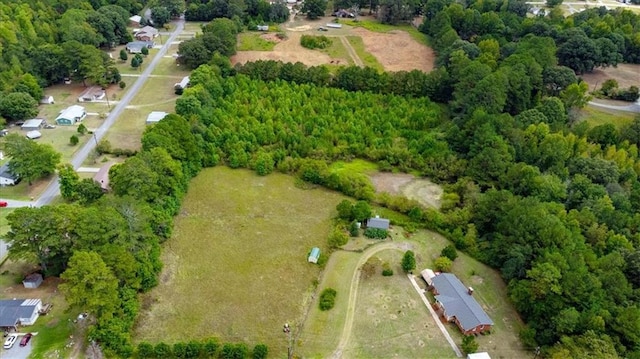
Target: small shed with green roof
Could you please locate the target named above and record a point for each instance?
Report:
(314, 255)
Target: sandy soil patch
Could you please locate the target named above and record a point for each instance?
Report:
(299, 28)
(424, 191)
(397, 50)
(288, 50)
(271, 37)
(626, 75)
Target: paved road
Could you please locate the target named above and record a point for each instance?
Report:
(635, 107)
(54, 188)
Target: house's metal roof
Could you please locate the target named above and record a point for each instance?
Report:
(315, 252)
(13, 309)
(35, 122)
(457, 302)
(380, 223)
(72, 112)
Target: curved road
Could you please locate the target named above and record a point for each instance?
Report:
(54, 188)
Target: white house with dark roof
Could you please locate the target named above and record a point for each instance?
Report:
(14, 312)
(135, 47)
(7, 178)
(457, 304)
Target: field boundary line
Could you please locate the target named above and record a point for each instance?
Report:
(352, 52)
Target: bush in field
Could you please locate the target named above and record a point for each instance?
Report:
(408, 261)
(179, 350)
(210, 347)
(193, 349)
(234, 351)
(73, 140)
(260, 351)
(376, 233)
(386, 270)
(338, 238)
(449, 252)
(354, 230)
(327, 298)
(443, 264)
(469, 344)
(163, 350)
(145, 350)
(315, 42)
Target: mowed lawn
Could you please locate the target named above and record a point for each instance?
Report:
(391, 320)
(236, 267)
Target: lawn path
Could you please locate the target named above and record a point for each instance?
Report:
(353, 291)
(351, 51)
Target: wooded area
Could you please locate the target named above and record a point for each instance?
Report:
(530, 190)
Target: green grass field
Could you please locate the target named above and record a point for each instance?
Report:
(252, 41)
(376, 26)
(595, 116)
(157, 94)
(337, 51)
(367, 58)
(236, 266)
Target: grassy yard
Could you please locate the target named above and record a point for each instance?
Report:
(253, 41)
(337, 51)
(157, 94)
(596, 116)
(367, 58)
(376, 26)
(391, 320)
(236, 267)
(167, 66)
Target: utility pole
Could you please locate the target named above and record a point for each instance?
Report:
(287, 330)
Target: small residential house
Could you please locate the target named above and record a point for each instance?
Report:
(135, 47)
(378, 223)
(47, 100)
(71, 115)
(32, 125)
(102, 177)
(182, 84)
(344, 14)
(314, 256)
(155, 117)
(134, 21)
(6, 177)
(91, 94)
(481, 355)
(14, 312)
(33, 135)
(456, 304)
(32, 281)
(334, 25)
(147, 33)
(263, 27)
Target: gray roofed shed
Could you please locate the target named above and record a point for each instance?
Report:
(33, 280)
(6, 176)
(458, 303)
(379, 223)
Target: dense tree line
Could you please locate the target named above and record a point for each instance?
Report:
(249, 11)
(219, 37)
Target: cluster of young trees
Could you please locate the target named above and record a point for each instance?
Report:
(218, 39)
(249, 11)
(209, 348)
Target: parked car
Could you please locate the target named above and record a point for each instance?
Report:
(322, 29)
(10, 341)
(25, 339)
(3, 204)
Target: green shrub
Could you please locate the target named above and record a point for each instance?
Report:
(162, 350)
(408, 261)
(260, 351)
(315, 42)
(145, 350)
(469, 344)
(327, 299)
(193, 349)
(354, 229)
(449, 252)
(82, 129)
(443, 264)
(386, 270)
(337, 238)
(210, 347)
(376, 233)
(73, 140)
(179, 350)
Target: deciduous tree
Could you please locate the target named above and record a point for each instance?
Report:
(30, 160)
(18, 106)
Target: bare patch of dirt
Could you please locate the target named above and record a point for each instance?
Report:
(626, 75)
(288, 50)
(271, 37)
(424, 191)
(397, 50)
